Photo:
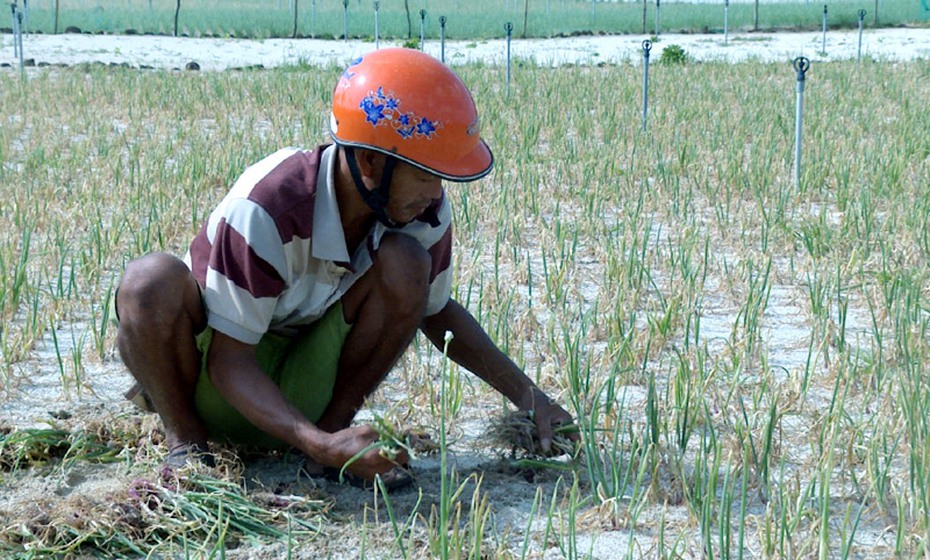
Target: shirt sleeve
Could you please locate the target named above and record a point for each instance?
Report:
(245, 271)
(438, 243)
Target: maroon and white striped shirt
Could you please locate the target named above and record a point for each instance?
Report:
(272, 257)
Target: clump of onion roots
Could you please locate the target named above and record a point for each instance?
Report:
(517, 431)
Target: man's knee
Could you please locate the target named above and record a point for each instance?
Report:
(157, 288)
(404, 268)
(398, 283)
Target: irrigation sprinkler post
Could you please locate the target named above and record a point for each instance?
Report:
(861, 20)
(345, 21)
(657, 18)
(377, 36)
(647, 46)
(15, 41)
(19, 37)
(508, 27)
(442, 39)
(801, 66)
(726, 22)
(823, 51)
(422, 28)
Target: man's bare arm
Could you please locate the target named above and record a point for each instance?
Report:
(234, 371)
(473, 349)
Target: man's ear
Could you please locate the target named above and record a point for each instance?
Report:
(370, 163)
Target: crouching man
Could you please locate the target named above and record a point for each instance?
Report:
(312, 276)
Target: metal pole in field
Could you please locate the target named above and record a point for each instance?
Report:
(377, 35)
(422, 28)
(801, 66)
(313, 20)
(726, 22)
(824, 50)
(647, 46)
(345, 21)
(15, 42)
(657, 18)
(442, 38)
(508, 27)
(19, 37)
(861, 20)
(25, 29)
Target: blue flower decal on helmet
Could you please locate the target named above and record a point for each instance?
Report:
(348, 74)
(384, 109)
(426, 128)
(374, 113)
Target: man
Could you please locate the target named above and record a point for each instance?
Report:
(313, 275)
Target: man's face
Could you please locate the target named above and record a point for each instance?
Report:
(412, 191)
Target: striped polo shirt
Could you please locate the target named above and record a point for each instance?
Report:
(272, 257)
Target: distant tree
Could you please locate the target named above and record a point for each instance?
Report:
(294, 34)
(409, 23)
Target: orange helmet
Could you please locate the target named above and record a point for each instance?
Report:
(407, 104)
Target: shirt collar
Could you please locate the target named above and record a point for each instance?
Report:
(329, 242)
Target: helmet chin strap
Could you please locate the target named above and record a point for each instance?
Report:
(376, 199)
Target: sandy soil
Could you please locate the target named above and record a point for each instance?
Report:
(222, 54)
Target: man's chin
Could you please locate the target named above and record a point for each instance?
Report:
(396, 224)
(405, 220)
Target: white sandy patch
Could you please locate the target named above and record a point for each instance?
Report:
(222, 54)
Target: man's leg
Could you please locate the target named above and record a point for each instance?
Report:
(385, 308)
(160, 312)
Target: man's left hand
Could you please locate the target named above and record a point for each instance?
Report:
(548, 416)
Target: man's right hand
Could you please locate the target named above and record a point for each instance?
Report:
(357, 446)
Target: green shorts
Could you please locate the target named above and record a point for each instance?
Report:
(304, 367)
